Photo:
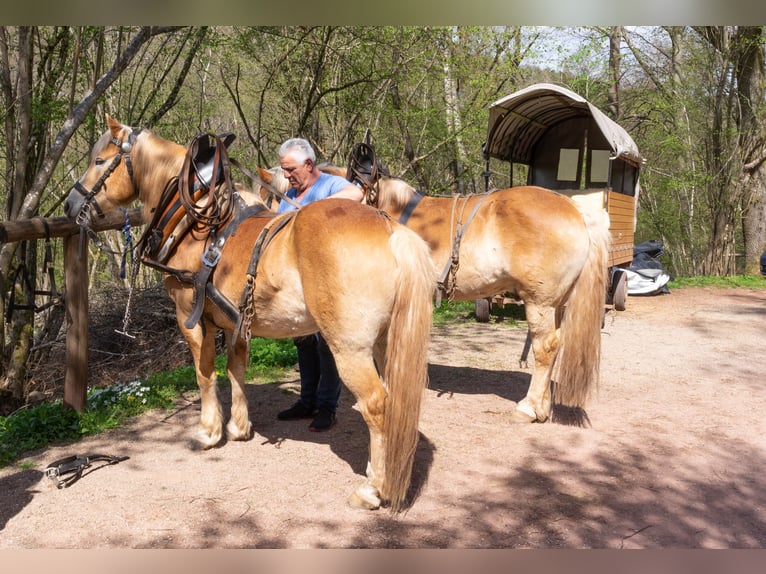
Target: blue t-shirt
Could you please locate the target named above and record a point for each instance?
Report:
(324, 187)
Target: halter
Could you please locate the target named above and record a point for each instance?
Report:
(125, 148)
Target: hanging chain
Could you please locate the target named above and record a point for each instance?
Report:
(133, 275)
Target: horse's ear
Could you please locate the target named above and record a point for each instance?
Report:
(265, 175)
(114, 125)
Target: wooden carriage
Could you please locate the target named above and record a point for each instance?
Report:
(572, 147)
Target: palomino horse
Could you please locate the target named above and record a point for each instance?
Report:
(535, 243)
(335, 266)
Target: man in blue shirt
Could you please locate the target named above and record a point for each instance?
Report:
(320, 383)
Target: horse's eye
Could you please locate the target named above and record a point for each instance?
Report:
(100, 161)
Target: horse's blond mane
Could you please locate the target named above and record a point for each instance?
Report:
(279, 181)
(393, 193)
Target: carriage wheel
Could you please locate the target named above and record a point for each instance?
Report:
(620, 290)
(482, 310)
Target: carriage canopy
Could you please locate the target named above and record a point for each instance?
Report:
(567, 142)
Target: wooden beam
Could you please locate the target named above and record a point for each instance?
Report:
(26, 229)
(76, 281)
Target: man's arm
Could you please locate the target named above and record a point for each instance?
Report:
(350, 192)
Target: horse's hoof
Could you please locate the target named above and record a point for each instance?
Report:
(365, 497)
(202, 441)
(520, 417)
(233, 432)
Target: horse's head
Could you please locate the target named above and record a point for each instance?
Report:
(108, 182)
(272, 179)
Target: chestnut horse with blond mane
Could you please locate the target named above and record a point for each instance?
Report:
(334, 266)
(537, 244)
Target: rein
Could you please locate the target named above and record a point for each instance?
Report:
(271, 189)
(219, 206)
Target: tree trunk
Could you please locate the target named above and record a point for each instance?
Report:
(36, 152)
(615, 42)
(453, 122)
(750, 83)
(754, 224)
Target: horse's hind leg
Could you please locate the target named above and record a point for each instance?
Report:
(536, 406)
(361, 378)
(239, 426)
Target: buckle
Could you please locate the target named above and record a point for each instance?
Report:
(212, 254)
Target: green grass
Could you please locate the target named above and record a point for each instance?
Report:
(464, 311)
(746, 281)
(52, 423)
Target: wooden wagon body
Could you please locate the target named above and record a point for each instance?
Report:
(572, 147)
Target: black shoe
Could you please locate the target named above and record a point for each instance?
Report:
(297, 411)
(323, 420)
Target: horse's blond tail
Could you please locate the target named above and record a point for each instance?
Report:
(579, 359)
(406, 366)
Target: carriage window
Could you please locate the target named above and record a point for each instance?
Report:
(568, 158)
(599, 166)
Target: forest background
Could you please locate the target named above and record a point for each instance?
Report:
(692, 98)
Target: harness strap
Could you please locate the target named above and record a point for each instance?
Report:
(447, 279)
(246, 303)
(272, 190)
(203, 285)
(414, 201)
(210, 258)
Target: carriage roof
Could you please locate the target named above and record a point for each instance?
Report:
(519, 121)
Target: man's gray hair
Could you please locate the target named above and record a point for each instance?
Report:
(300, 147)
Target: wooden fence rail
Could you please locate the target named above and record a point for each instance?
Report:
(75, 285)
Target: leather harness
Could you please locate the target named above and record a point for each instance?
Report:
(205, 168)
(363, 169)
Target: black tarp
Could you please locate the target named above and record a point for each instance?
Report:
(646, 275)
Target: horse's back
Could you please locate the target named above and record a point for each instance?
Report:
(519, 239)
(333, 262)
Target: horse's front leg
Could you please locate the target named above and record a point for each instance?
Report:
(202, 346)
(239, 426)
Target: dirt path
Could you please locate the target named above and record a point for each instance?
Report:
(673, 457)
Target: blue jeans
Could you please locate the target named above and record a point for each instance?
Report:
(320, 382)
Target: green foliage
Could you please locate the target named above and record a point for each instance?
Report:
(34, 428)
(269, 354)
(108, 407)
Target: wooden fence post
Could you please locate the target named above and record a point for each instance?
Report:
(76, 281)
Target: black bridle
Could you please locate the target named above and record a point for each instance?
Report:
(125, 147)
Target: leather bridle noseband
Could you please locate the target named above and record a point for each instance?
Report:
(125, 147)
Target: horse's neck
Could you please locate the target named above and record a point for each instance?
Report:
(153, 170)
